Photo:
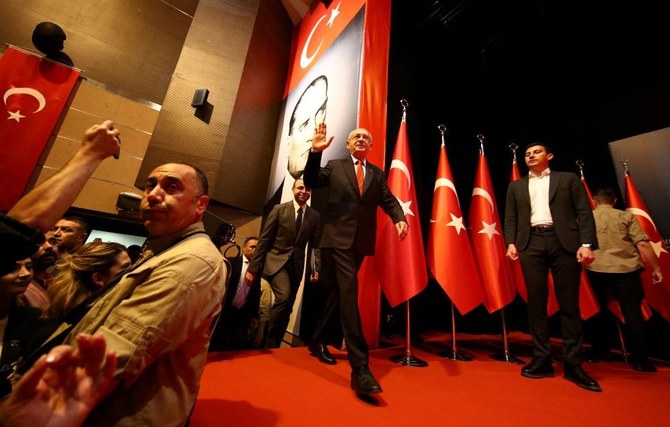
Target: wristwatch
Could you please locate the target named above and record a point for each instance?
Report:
(586, 245)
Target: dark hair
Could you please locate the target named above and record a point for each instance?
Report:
(249, 238)
(547, 148)
(605, 194)
(200, 178)
(83, 224)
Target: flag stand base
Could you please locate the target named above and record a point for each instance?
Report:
(507, 358)
(406, 360)
(457, 355)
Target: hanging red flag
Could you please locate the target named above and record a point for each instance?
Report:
(657, 295)
(450, 256)
(487, 240)
(34, 92)
(401, 264)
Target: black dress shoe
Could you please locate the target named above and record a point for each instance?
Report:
(643, 365)
(577, 375)
(539, 367)
(322, 353)
(363, 382)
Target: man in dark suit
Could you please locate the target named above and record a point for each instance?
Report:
(280, 255)
(235, 326)
(549, 226)
(349, 223)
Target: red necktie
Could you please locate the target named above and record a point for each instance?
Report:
(359, 175)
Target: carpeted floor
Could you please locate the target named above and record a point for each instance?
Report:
(288, 387)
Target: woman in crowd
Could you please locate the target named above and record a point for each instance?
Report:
(80, 274)
(17, 322)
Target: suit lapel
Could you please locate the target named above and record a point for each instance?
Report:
(369, 172)
(553, 184)
(350, 173)
(526, 190)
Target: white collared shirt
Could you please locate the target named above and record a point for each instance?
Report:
(538, 189)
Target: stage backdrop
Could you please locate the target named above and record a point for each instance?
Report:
(647, 156)
(338, 74)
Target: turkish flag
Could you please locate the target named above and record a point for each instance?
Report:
(34, 92)
(401, 264)
(656, 294)
(450, 256)
(487, 239)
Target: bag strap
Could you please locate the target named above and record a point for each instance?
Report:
(74, 316)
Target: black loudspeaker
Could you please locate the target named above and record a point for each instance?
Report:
(200, 98)
(128, 204)
(220, 231)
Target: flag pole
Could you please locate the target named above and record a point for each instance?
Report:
(506, 356)
(454, 354)
(407, 359)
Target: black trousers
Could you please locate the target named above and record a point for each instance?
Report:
(339, 271)
(627, 290)
(543, 254)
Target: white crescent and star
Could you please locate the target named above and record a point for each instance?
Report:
(306, 60)
(642, 213)
(456, 221)
(16, 115)
(402, 167)
(478, 191)
(490, 229)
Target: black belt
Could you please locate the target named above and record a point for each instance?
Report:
(541, 228)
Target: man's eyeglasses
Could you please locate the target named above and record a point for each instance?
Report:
(362, 136)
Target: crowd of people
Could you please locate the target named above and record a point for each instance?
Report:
(101, 336)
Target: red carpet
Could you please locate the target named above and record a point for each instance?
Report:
(288, 387)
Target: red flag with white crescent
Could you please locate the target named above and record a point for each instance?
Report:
(450, 256)
(34, 92)
(401, 264)
(657, 295)
(488, 243)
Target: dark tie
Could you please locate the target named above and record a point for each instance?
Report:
(359, 176)
(298, 221)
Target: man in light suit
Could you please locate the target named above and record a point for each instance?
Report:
(549, 225)
(349, 223)
(280, 255)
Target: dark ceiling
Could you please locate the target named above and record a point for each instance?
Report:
(574, 74)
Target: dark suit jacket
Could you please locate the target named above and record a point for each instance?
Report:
(349, 218)
(570, 211)
(278, 241)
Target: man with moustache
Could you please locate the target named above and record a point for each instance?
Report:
(45, 257)
(70, 233)
(158, 316)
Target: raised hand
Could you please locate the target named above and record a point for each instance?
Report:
(319, 140)
(61, 388)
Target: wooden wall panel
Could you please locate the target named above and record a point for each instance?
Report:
(130, 46)
(238, 49)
